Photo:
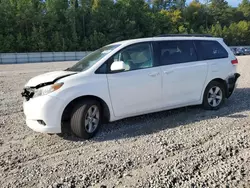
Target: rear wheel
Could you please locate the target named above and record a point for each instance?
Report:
(214, 96)
(85, 119)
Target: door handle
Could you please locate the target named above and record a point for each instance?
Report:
(168, 72)
(154, 74)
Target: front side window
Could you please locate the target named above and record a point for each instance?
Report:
(138, 56)
(210, 50)
(174, 52)
(92, 58)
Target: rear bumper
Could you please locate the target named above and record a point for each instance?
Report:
(232, 84)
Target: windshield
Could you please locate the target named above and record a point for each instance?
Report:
(91, 59)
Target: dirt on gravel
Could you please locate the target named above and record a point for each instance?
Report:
(186, 147)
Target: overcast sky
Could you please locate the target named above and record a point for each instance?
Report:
(234, 2)
(231, 2)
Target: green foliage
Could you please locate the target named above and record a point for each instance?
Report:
(74, 25)
(244, 7)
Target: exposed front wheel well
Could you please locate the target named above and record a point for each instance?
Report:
(69, 108)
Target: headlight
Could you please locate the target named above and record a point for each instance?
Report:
(47, 89)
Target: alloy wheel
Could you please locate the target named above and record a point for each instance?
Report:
(214, 96)
(92, 119)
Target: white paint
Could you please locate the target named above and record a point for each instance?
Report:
(117, 66)
(47, 77)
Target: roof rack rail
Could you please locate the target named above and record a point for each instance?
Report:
(184, 35)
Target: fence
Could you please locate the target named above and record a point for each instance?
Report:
(11, 58)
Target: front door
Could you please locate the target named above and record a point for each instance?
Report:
(137, 89)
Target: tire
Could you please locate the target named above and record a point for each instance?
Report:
(81, 116)
(212, 95)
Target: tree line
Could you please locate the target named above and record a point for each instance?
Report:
(79, 25)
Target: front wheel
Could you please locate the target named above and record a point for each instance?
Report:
(85, 119)
(214, 96)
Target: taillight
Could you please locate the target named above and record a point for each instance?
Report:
(235, 61)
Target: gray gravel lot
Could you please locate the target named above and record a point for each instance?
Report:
(187, 147)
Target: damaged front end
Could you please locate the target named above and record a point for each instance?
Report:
(32, 91)
(28, 93)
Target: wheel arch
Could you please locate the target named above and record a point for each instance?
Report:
(69, 107)
(220, 80)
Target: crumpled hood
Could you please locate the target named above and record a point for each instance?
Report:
(47, 78)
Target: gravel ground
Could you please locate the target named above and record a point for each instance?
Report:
(187, 147)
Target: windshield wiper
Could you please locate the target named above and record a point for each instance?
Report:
(67, 69)
(73, 69)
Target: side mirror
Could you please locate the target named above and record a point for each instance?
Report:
(117, 66)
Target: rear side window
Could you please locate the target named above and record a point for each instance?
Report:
(173, 52)
(210, 50)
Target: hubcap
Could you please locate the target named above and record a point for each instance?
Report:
(214, 96)
(92, 119)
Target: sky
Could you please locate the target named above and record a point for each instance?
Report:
(233, 3)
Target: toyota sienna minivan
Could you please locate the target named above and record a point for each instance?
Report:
(131, 78)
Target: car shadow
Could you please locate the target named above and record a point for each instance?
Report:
(155, 122)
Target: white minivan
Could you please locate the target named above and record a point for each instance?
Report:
(131, 78)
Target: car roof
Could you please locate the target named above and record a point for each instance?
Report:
(164, 38)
